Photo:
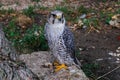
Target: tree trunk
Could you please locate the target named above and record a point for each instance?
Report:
(11, 68)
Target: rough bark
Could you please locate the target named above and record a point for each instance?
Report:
(11, 68)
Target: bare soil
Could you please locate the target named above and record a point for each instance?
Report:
(95, 48)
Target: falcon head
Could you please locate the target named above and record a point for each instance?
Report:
(56, 17)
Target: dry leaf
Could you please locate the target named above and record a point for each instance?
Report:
(13, 14)
(115, 21)
(23, 21)
(117, 16)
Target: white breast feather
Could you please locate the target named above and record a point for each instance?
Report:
(54, 31)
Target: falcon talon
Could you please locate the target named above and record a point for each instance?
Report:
(62, 66)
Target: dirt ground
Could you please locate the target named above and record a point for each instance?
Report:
(96, 48)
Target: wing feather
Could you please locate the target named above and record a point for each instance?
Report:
(68, 38)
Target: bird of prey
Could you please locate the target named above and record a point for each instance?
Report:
(60, 40)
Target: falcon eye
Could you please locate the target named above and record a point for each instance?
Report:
(53, 15)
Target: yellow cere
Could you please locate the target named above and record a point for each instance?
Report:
(58, 17)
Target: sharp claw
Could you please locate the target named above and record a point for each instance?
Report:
(56, 64)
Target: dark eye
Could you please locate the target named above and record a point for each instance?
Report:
(54, 15)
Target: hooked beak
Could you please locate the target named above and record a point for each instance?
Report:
(58, 17)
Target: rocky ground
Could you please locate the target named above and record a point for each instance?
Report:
(40, 64)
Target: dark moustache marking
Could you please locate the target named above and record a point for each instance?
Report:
(62, 15)
(53, 21)
(62, 18)
(62, 21)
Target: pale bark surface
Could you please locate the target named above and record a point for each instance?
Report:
(11, 68)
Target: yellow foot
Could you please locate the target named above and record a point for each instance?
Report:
(58, 66)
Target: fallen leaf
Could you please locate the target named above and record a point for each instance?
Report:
(13, 14)
(23, 21)
(115, 22)
(116, 16)
(109, 9)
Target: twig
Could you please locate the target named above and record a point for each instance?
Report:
(92, 28)
(108, 73)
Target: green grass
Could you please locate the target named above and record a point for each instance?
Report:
(36, 0)
(64, 9)
(83, 10)
(105, 17)
(12, 30)
(103, 1)
(31, 40)
(94, 22)
(3, 11)
(34, 38)
(118, 2)
(118, 11)
(42, 8)
(1, 4)
(89, 69)
(29, 11)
